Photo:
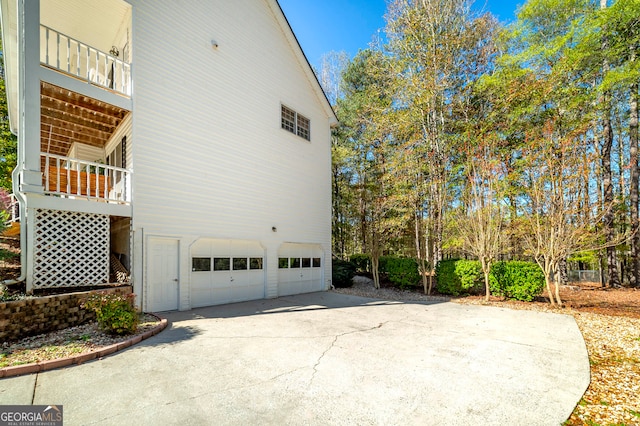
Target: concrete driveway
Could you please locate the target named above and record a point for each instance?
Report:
(326, 358)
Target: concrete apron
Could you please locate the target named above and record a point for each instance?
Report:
(326, 358)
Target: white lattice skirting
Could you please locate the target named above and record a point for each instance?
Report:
(71, 249)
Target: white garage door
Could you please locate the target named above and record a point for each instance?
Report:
(300, 268)
(226, 271)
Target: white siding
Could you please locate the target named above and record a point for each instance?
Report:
(210, 158)
(86, 152)
(124, 129)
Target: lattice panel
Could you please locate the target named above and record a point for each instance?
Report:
(71, 249)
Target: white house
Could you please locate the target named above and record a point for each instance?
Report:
(189, 141)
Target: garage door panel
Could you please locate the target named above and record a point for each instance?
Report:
(230, 278)
(300, 268)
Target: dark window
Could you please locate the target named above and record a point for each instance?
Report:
(239, 263)
(306, 262)
(199, 264)
(221, 264)
(317, 262)
(294, 262)
(255, 263)
(283, 262)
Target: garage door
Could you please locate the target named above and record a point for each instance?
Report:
(300, 268)
(226, 271)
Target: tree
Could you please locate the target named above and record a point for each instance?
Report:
(552, 226)
(480, 225)
(364, 132)
(438, 49)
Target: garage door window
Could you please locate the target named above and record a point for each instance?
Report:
(255, 263)
(221, 264)
(316, 262)
(294, 262)
(283, 262)
(306, 262)
(201, 264)
(239, 263)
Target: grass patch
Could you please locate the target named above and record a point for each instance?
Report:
(8, 255)
(635, 413)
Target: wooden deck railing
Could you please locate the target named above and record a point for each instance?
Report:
(67, 176)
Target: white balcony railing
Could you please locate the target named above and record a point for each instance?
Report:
(70, 56)
(73, 178)
(14, 209)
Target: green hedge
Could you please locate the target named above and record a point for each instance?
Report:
(342, 273)
(401, 271)
(459, 276)
(516, 280)
(361, 261)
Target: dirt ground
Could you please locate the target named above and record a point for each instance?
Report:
(585, 297)
(9, 258)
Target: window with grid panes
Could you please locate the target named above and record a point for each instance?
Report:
(296, 123)
(303, 127)
(288, 119)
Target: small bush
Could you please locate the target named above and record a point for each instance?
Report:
(361, 261)
(401, 271)
(516, 280)
(458, 276)
(342, 273)
(115, 314)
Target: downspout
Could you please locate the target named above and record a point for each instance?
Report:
(23, 230)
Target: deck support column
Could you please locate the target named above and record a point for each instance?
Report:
(29, 103)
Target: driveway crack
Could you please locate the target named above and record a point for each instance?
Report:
(35, 385)
(333, 343)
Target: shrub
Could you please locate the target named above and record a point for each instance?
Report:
(342, 273)
(458, 276)
(401, 271)
(361, 261)
(516, 280)
(115, 314)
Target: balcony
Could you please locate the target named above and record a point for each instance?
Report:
(75, 58)
(78, 179)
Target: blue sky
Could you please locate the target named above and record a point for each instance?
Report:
(323, 26)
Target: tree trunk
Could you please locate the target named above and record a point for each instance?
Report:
(633, 191)
(563, 273)
(556, 274)
(608, 219)
(374, 269)
(422, 264)
(607, 144)
(486, 268)
(612, 264)
(547, 281)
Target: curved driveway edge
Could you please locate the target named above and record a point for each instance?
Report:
(52, 364)
(327, 358)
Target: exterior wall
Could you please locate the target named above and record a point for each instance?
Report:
(209, 156)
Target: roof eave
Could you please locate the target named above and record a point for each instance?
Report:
(284, 22)
(8, 16)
